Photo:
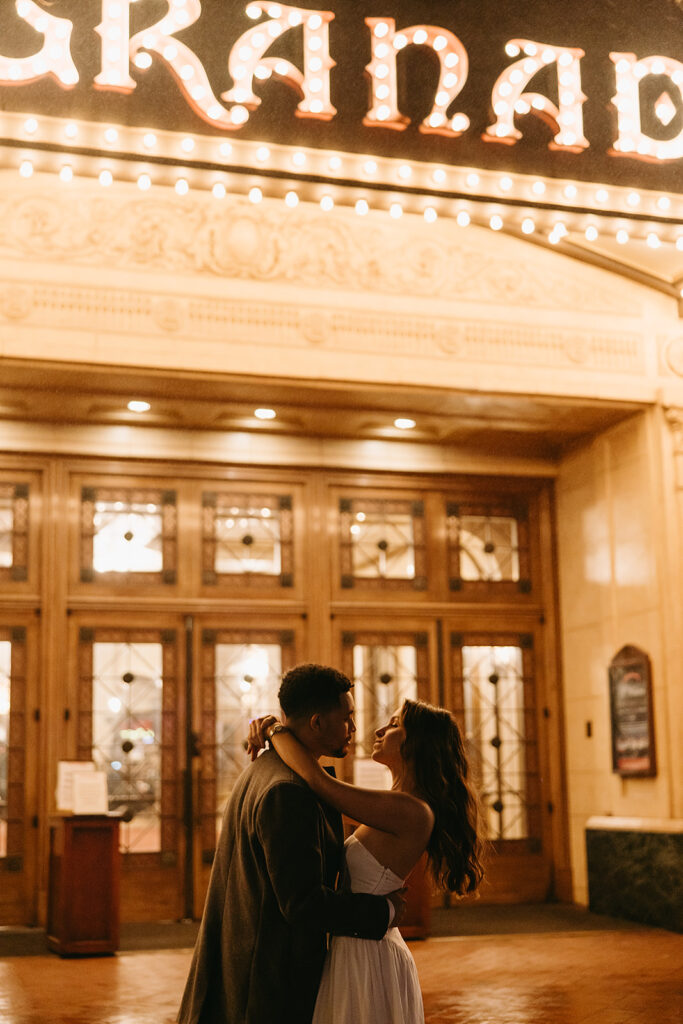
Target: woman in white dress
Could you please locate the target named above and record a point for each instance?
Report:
(431, 806)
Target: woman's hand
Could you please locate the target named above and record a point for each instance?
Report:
(257, 738)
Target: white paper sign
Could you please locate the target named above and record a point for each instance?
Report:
(66, 770)
(90, 793)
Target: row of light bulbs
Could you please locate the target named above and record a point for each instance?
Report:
(369, 169)
(463, 217)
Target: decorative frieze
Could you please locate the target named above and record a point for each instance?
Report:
(232, 239)
(109, 312)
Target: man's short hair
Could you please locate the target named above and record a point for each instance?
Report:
(310, 689)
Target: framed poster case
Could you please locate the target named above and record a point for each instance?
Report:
(630, 688)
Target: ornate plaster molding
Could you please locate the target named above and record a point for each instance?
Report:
(232, 239)
(113, 313)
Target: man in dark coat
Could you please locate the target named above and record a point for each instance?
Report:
(273, 895)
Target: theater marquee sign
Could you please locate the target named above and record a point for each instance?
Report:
(414, 97)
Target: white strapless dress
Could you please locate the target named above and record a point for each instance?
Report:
(366, 981)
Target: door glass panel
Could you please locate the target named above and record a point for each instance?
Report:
(128, 535)
(493, 697)
(248, 537)
(489, 548)
(5, 667)
(382, 544)
(6, 526)
(14, 501)
(126, 737)
(383, 676)
(247, 682)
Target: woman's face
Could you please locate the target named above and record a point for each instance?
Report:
(388, 741)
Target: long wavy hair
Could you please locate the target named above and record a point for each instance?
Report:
(434, 750)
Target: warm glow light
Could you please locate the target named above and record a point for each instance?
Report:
(462, 218)
(508, 97)
(496, 222)
(627, 101)
(139, 406)
(292, 199)
(255, 194)
(361, 207)
(383, 74)
(430, 214)
(326, 203)
(248, 61)
(404, 423)
(265, 414)
(53, 59)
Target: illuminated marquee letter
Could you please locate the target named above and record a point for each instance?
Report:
(114, 31)
(247, 60)
(182, 61)
(508, 97)
(632, 141)
(53, 59)
(383, 75)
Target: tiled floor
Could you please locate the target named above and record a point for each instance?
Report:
(632, 976)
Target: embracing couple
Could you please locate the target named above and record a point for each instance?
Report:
(300, 927)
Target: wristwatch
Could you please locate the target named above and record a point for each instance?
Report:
(278, 727)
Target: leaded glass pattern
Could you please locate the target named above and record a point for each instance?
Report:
(127, 726)
(128, 535)
(487, 546)
(248, 538)
(241, 675)
(497, 709)
(382, 544)
(12, 745)
(14, 499)
(385, 669)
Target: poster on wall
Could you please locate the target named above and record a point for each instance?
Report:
(630, 685)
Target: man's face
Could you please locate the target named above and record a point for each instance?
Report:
(337, 727)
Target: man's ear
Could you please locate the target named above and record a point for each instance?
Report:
(315, 722)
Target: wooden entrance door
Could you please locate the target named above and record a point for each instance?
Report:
(492, 685)
(238, 670)
(18, 766)
(129, 671)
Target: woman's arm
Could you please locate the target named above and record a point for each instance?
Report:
(387, 810)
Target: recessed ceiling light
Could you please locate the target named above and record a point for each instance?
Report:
(403, 423)
(139, 406)
(265, 414)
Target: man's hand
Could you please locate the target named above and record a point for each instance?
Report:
(399, 898)
(257, 738)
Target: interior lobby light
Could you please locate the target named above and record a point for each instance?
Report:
(265, 414)
(138, 406)
(403, 423)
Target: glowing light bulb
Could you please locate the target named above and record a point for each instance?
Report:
(182, 187)
(430, 214)
(26, 168)
(463, 218)
(591, 233)
(395, 210)
(139, 406)
(265, 414)
(66, 173)
(326, 203)
(255, 194)
(528, 226)
(622, 236)
(106, 178)
(361, 207)
(496, 222)
(291, 200)
(30, 126)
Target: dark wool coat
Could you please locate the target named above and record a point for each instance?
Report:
(270, 903)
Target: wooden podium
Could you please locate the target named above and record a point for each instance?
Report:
(83, 902)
